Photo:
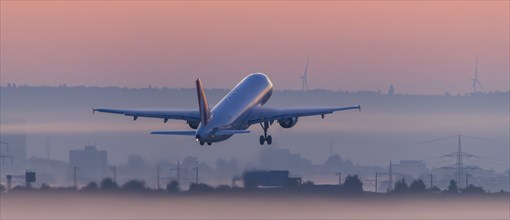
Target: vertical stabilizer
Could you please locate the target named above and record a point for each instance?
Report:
(202, 103)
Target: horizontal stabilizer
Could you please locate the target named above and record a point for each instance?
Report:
(182, 132)
(227, 132)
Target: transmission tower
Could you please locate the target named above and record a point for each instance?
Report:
(459, 165)
(459, 156)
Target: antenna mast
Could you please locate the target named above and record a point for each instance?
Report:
(47, 148)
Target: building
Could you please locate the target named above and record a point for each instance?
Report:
(273, 178)
(91, 163)
(50, 172)
(413, 168)
(13, 152)
(283, 159)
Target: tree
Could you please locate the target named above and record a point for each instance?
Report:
(452, 188)
(172, 187)
(401, 186)
(352, 184)
(45, 186)
(199, 187)
(435, 189)
(134, 185)
(2, 188)
(223, 188)
(91, 186)
(417, 186)
(108, 184)
(308, 183)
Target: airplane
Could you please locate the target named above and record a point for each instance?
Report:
(242, 107)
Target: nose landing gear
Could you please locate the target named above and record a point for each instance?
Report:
(265, 137)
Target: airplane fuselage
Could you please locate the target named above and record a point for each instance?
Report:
(234, 110)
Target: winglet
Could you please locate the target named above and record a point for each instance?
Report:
(359, 108)
(205, 114)
(93, 110)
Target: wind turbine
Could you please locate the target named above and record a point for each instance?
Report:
(303, 78)
(475, 80)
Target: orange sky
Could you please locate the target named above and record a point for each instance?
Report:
(421, 47)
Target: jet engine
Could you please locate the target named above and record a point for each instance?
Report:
(193, 124)
(288, 122)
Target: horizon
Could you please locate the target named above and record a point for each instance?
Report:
(379, 91)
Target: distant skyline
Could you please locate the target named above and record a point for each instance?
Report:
(419, 47)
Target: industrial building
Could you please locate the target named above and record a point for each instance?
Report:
(90, 162)
(13, 152)
(272, 178)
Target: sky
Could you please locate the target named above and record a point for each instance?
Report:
(420, 47)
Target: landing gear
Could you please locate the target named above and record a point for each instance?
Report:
(208, 143)
(265, 137)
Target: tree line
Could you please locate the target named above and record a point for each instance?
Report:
(351, 185)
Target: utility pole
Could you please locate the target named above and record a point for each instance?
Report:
(391, 178)
(75, 169)
(196, 174)
(178, 171)
(330, 148)
(431, 183)
(114, 169)
(376, 182)
(467, 180)
(47, 148)
(339, 174)
(9, 182)
(157, 175)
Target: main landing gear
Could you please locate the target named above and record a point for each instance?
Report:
(208, 143)
(265, 137)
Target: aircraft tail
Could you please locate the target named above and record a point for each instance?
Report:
(205, 113)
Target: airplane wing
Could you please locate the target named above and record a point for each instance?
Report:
(263, 114)
(188, 115)
(193, 132)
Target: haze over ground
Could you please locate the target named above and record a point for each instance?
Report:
(386, 128)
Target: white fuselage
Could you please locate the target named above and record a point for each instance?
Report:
(234, 110)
